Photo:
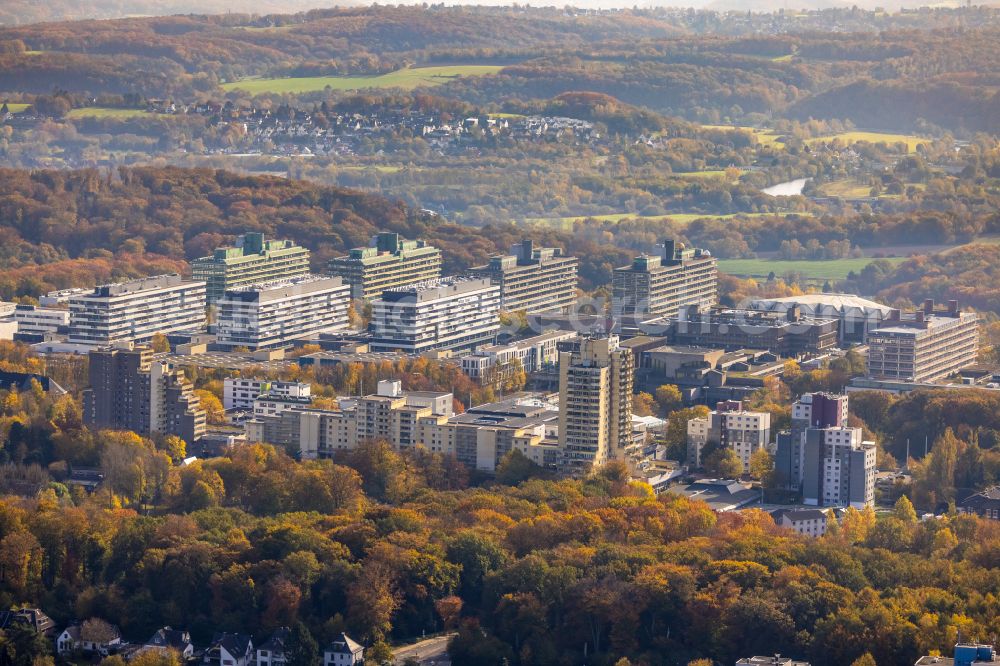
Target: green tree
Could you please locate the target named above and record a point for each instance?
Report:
(301, 648)
(864, 660)
(669, 397)
(903, 510)
(723, 463)
(515, 468)
(761, 464)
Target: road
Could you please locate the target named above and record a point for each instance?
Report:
(429, 652)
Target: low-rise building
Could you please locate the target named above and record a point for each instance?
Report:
(856, 316)
(532, 279)
(241, 392)
(924, 346)
(721, 495)
(965, 654)
(776, 660)
(272, 651)
(729, 426)
(229, 650)
(342, 651)
(449, 314)
(788, 334)
(985, 504)
(94, 637)
(170, 640)
(807, 522)
(490, 364)
(32, 618)
(276, 314)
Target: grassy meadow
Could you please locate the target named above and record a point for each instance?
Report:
(407, 79)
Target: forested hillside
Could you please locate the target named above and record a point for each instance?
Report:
(935, 66)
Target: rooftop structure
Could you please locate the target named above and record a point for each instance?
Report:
(856, 315)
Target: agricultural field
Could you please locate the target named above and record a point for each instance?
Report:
(845, 189)
(766, 137)
(407, 79)
(16, 107)
(848, 138)
(825, 269)
(104, 112)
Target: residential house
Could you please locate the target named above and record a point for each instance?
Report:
(343, 652)
(229, 650)
(92, 637)
(171, 640)
(985, 504)
(32, 617)
(272, 651)
(808, 522)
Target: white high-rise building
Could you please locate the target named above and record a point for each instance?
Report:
(134, 311)
(447, 314)
(275, 314)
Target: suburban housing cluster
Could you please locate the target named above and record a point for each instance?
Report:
(95, 637)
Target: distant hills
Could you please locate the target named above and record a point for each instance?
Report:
(21, 12)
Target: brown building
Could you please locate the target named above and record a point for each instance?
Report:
(129, 390)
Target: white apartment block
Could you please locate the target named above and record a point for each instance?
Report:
(276, 314)
(240, 393)
(34, 320)
(447, 314)
(479, 438)
(729, 425)
(535, 353)
(134, 311)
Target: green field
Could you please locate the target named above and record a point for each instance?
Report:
(718, 173)
(765, 136)
(407, 79)
(104, 112)
(845, 189)
(827, 269)
(16, 107)
(849, 138)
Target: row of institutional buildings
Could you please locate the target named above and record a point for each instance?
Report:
(664, 325)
